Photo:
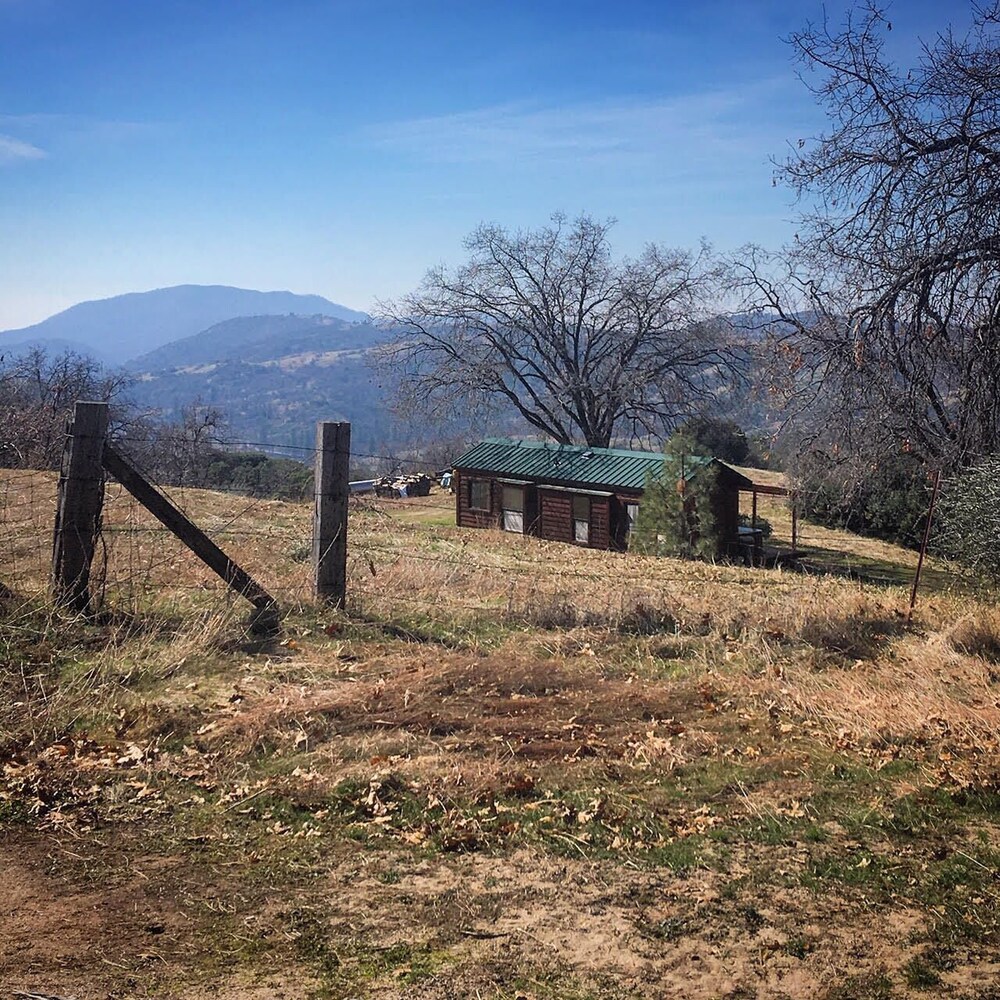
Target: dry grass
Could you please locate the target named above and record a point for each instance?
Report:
(707, 759)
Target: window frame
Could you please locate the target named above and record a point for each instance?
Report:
(508, 489)
(487, 484)
(510, 492)
(630, 517)
(581, 525)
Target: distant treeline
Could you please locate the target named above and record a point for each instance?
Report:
(190, 447)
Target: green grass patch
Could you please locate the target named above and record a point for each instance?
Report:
(919, 974)
(343, 966)
(866, 986)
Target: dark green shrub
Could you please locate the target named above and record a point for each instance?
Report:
(968, 518)
(887, 499)
(676, 516)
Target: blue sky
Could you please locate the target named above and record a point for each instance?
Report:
(341, 148)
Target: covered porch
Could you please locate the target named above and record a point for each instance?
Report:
(757, 500)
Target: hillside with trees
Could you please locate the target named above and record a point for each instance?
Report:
(264, 338)
(273, 377)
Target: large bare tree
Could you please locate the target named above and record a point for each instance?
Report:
(889, 300)
(585, 348)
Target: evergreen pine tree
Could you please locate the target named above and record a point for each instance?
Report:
(676, 517)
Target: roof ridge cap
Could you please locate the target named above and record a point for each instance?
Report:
(558, 446)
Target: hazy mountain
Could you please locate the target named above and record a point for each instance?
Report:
(53, 345)
(127, 326)
(273, 377)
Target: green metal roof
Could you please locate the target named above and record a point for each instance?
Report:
(563, 463)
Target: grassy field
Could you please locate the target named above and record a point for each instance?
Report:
(513, 769)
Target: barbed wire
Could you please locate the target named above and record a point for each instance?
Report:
(304, 449)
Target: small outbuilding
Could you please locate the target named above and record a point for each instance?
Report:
(573, 493)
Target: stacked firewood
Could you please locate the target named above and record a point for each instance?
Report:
(395, 487)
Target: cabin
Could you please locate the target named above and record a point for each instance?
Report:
(573, 493)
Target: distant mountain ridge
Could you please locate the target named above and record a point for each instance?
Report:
(128, 326)
(273, 377)
(260, 339)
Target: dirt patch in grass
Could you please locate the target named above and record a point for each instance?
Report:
(403, 924)
(525, 707)
(63, 925)
(612, 932)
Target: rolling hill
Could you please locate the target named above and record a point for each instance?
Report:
(274, 377)
(260, 339)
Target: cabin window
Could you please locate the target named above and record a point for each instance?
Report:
(631, 513)
(581, 520)
(513, 509)
(479, 494)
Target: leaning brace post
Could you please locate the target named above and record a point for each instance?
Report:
(78, 509)
(266, 618)
(333, 456)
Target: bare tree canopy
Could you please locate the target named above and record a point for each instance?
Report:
(584, 348)
(37, 393)
(891, 293)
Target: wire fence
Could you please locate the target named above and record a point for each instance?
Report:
(406, 561)
(306, 454)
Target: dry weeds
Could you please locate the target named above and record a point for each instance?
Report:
(514, 768)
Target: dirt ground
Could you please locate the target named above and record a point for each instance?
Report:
(511, 770)
(540, 922)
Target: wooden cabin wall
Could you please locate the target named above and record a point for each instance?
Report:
(548, 513)
(600, 522)
(555, 520)
(619, 519)
(532, 525)
(726, 510)
(465, 515)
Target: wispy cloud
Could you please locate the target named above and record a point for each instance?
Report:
(54, 132)
(16, 150)
(700, 128)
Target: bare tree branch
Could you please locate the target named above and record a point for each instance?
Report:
(890, 298)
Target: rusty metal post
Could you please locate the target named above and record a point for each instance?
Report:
(923, 546)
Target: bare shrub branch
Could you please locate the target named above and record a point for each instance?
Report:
(889, 301)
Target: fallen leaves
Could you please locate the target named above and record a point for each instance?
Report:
(75, 782)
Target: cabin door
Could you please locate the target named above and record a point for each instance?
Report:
(512, 516)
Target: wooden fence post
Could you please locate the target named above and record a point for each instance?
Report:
(78, 510)
(333, 455)
(923, 545)
(795, 524)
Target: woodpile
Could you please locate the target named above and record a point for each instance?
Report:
(395, 487)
